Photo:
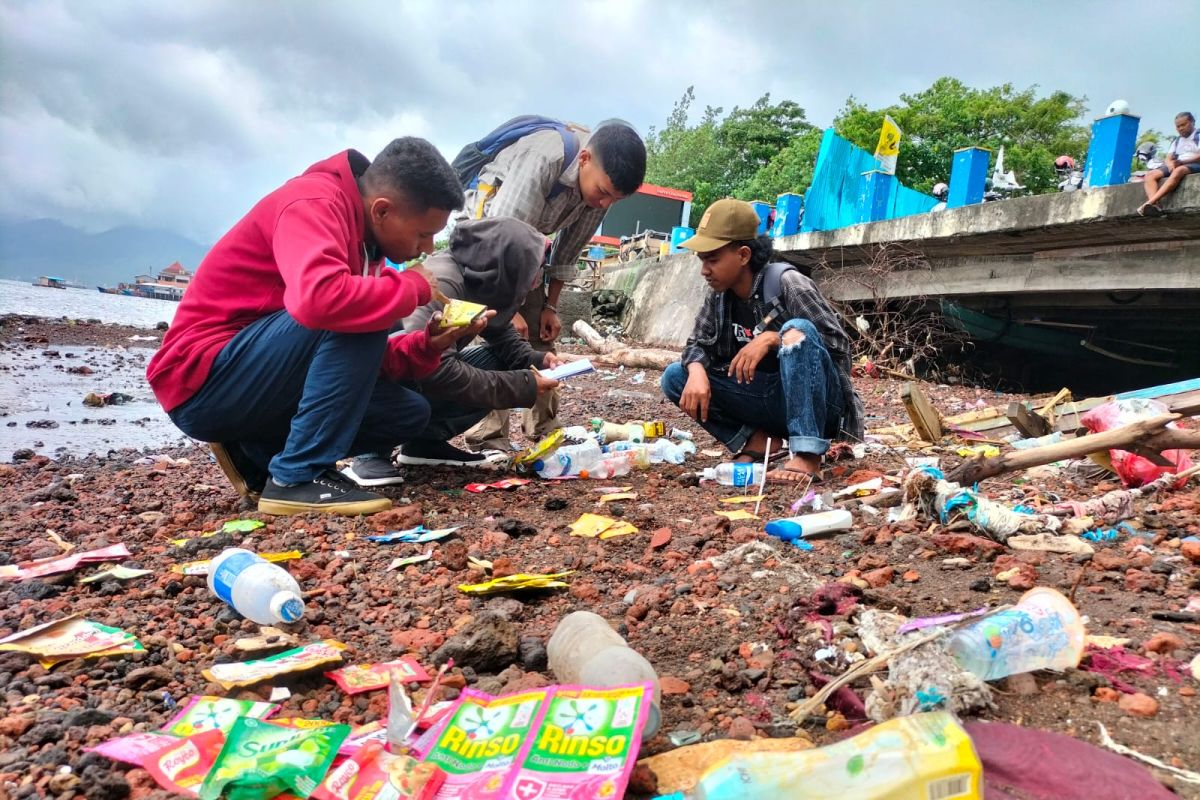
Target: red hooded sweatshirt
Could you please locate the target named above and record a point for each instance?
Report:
(301, 249)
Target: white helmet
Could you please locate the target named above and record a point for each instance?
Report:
(1117, 107)
(941, 191)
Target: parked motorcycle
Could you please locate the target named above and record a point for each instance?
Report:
(1147, 153)
(1070, 177)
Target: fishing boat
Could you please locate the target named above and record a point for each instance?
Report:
(51, 282)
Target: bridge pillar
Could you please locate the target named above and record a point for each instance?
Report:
(788, 208)
(1110, 153)
(874, 191)
(968, 176)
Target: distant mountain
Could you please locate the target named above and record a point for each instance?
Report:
(49, 247)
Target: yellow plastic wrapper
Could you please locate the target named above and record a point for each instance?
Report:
(737, 514)
(71, 637)
(552, 441)
(591, 526)
(460, 313)
(517, 582)
(742, 498)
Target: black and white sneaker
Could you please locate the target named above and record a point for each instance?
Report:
(373, 470)
(328, 493)
(444, 454)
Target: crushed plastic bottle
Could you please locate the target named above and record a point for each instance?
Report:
(680, 434)
(740, 473)
(585, 650)
(1042, 631)
(611, 467)
(570, 459)
(634, 431)
(257, 589)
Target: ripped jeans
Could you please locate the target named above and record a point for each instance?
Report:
(802, 402)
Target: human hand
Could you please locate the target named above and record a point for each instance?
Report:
(420, 269)
(551, 361)
(697, 393)
(747, 359)
(521, 326)
(544, 384)
(550, 326)
(440, 338)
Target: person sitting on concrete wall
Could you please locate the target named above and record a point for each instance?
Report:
(493, 262)
(528, 180)
(756, 366)
(1183, 159)
(278, 345)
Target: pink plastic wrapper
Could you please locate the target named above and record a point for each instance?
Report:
(1134, 470)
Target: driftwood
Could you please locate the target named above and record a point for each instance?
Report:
(1148, 437)
(614, 354)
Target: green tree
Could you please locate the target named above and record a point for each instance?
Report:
(950, 115)
(790, 170)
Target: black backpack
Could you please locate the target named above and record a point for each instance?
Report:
(471, 160)
(772, 286)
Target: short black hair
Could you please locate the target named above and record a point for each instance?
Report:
(1186, 114)
(416, 170)
(621, 153)
(762, 252)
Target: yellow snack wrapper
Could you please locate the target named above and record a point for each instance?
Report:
(743, 498)
(300, 659)
(516, 583)
(738, 514)
(460, 313)
(591, 526)
(608, 498)
(71, 637)
(201, 567)
(552, 440)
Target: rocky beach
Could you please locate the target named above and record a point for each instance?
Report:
(740, 627)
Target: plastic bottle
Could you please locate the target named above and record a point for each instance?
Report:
(681, 435)
(585, 650)
(742, 473)
(635, 431)
(257, 589)
(610, 467)
(569, 459)
(793, 528)
(664, 450)
(922, 755)
(1042, 631)
(638, 453)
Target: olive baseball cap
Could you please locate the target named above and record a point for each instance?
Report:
(723, 222)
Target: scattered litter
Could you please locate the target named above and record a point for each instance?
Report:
(1135, 470)
(372, 773)
(58, 564)
(206, 713)
(267, 639)
(117, 573)
(506, 483)
(301, 659)
(1043, 631)
(398, 563)
(608, 498)
(181, 765)
(369, 677)
(591, 526)
(745, 498)
(242, 525)
(1049, 543)
(518, 582)
(71, 637)
(417, 535)
(926, 489)
(98, 400)
(280, 693)
(132, 748)
(984, 450)
(946, 619)
(793, 529)
(612, 489)
(860, 489)
(202, 567)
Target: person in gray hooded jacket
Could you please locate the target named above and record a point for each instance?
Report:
(492, 261)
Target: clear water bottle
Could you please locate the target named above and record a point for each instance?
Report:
(638, 453)
(664, 450)
(740, 473)
(570, 459)
(610, 467)
(585, 650)
(257, 589)
(681, 435)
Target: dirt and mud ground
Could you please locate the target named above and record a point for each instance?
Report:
(734, 643)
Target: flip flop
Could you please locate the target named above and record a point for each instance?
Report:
(1150, 210)
(815, 477)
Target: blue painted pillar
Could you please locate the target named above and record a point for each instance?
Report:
(788, 210)
(679, 234)
(764, 215)
(1110, 153)
(874, 191)
(968, 176)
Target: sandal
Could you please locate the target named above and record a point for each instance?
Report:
(1149, 210)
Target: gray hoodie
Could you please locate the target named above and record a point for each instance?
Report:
(494, 262)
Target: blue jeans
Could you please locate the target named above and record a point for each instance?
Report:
(802, 402)
(296, 400)
(449, 418)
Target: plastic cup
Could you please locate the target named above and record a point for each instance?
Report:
(1043, 631)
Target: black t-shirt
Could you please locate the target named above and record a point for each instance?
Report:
(743, 319)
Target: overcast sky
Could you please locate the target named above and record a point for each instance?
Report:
(181, 115)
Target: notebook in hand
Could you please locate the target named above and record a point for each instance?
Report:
(569, 369)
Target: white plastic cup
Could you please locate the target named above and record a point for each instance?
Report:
(1043, 631)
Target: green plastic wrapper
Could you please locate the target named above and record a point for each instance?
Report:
(261, 760)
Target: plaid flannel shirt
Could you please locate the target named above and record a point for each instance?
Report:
(712, 343)
(517, 183)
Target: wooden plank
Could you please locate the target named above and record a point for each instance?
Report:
(1028, 423)
(925, 418)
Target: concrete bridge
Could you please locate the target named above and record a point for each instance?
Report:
(1080, 265)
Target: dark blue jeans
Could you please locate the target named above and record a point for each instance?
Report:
(801, 403)
(296, 400)
(450, 418)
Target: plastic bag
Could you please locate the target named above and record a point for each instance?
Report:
(1134, 470)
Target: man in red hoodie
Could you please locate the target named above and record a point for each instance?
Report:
(279, 353)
